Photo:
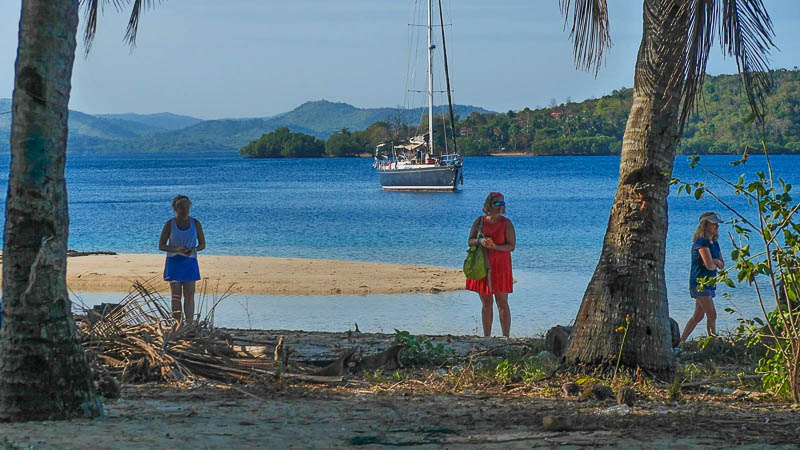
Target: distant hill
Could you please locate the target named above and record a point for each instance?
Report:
(163, 121)
(170, 133)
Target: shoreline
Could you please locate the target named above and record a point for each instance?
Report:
(263, 275)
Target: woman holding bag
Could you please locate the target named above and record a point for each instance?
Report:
(499, 240)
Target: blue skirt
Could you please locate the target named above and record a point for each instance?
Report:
(181, 268)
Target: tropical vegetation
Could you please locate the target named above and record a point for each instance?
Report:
(596, 126)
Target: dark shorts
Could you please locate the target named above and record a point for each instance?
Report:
(707, 292)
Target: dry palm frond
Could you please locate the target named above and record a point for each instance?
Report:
(137, 340)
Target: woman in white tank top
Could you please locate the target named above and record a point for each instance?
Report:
(182, 237)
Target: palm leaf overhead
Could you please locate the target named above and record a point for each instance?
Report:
(699, 41)
(743, 27)
(589, 32)
(745, 32)
(90, 12)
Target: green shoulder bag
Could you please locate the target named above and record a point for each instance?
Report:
(475, 265)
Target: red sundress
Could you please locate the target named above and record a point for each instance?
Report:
(500, 262)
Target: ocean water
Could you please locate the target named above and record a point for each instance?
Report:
(335, 209)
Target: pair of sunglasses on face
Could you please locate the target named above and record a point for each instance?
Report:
(499, 203)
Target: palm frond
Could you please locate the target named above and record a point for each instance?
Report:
(702, 16)
(589, 32)
(92, 9)
(746, 34)
(133, 22)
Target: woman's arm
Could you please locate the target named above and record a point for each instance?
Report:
(719, 261)
(472, 241)
(705, 255)
(511, 239)
(162, 241)
(201, 237)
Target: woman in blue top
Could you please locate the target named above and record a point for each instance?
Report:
(182, 237)
(706, 259)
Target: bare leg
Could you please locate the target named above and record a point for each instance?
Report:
(707, 303)
(504, 312)
(693, 321)
(175, 289)
(487, 310)
(188, 301)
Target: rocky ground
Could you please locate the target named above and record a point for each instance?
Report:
(470, 401)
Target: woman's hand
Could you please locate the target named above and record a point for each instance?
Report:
(720, 264)
(486, 242)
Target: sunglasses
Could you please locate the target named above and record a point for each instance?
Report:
(499, 203)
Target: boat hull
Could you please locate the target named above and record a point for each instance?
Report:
(440, 178)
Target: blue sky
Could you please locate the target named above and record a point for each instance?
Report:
(252, 58)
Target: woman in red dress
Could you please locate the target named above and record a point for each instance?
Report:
(499, 240)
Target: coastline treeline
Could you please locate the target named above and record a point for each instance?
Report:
(596, 126)
(590, 127)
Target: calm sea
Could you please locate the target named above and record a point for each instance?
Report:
(335, 209)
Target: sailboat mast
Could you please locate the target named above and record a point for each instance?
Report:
(447, 78)
(430, 78)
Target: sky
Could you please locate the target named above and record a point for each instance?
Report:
(257, 58)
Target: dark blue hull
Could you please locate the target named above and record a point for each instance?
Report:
(439, 178)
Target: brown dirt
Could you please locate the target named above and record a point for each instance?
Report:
(417, 411)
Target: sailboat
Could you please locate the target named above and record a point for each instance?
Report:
(418, 164)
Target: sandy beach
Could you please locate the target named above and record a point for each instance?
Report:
(266, 276)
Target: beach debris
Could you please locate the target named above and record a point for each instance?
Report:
(72, 252)
(139, 341)
(570, 389)
(556, 423)
(620, 410)
(675, 332)
(388, 359)
(280, 351)
(109, 387)
(626, 395)
(336, 368)
(597, 391)
(556, 339)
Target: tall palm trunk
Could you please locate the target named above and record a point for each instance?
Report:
(629, 279)
(43, 373)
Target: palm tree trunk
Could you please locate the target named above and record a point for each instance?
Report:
(629, 279)
(43, 373)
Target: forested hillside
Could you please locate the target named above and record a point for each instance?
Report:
(596, 126)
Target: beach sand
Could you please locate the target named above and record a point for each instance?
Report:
(266, 276)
